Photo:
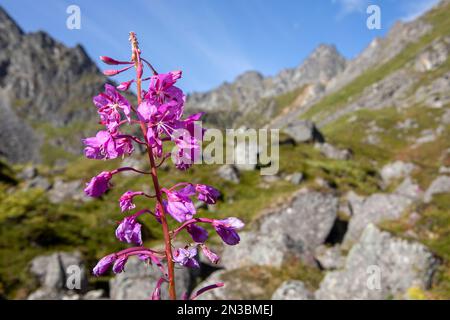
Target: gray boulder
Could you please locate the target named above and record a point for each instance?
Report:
(329, 258)
(333, 152)
(294, 230)
(292, 290)
(444, 169)
(380, 266)
(29, 172)
(440, 185)
(247, 284)
(38, 182)
(46, 294)
(138, 281)
(374, 209)
(229, 173)
(95, 295)
(58, 274)
(396, 170)
(409, 189)
(302, 131)
(296, 178)
(70, 190)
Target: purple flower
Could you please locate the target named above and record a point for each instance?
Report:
(104, 264)
(98, 184)
(162, 89)
(109, 105)
(207, 193)
(126, 200)
(124, 86)
(147, 111)
(124, 146)
(186, 257)
(226, 229)
(129, 231)
(101, 146)
(187, 136)
(197, 233)
(106, 146)
(119, 265)
(214, 258)
(179, 203)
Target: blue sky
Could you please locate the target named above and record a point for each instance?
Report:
(213, 41)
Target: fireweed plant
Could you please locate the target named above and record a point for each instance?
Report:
(159, 115)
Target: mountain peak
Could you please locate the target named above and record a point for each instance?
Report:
(250, 77)
(325, 48)
(10, 32)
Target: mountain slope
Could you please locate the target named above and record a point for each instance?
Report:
(43, 84)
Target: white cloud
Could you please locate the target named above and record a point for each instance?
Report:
(414, 9)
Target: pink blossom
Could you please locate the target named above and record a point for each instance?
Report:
(98, 184)
(214, 258)
(109, 104)
(179, 203)
(197, 233)
(129, 230)
(104, 264)
(124, 86)
(226, 229)
(126, 200)
(112, 61)
(106, 146)
(162, 89)
(186, 257)
(119, 265)
(207, 193)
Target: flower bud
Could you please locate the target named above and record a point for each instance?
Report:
(112, 61)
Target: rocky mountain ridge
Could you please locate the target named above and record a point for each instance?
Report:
(252, 93)
(45, 87)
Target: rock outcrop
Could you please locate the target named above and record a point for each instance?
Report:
(302, 131)
(60, 275)
(292, 231)
(380, 266)
(374, 209)
(440, 185)
(292, 290)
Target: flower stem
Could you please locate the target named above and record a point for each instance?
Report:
(154, 174)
